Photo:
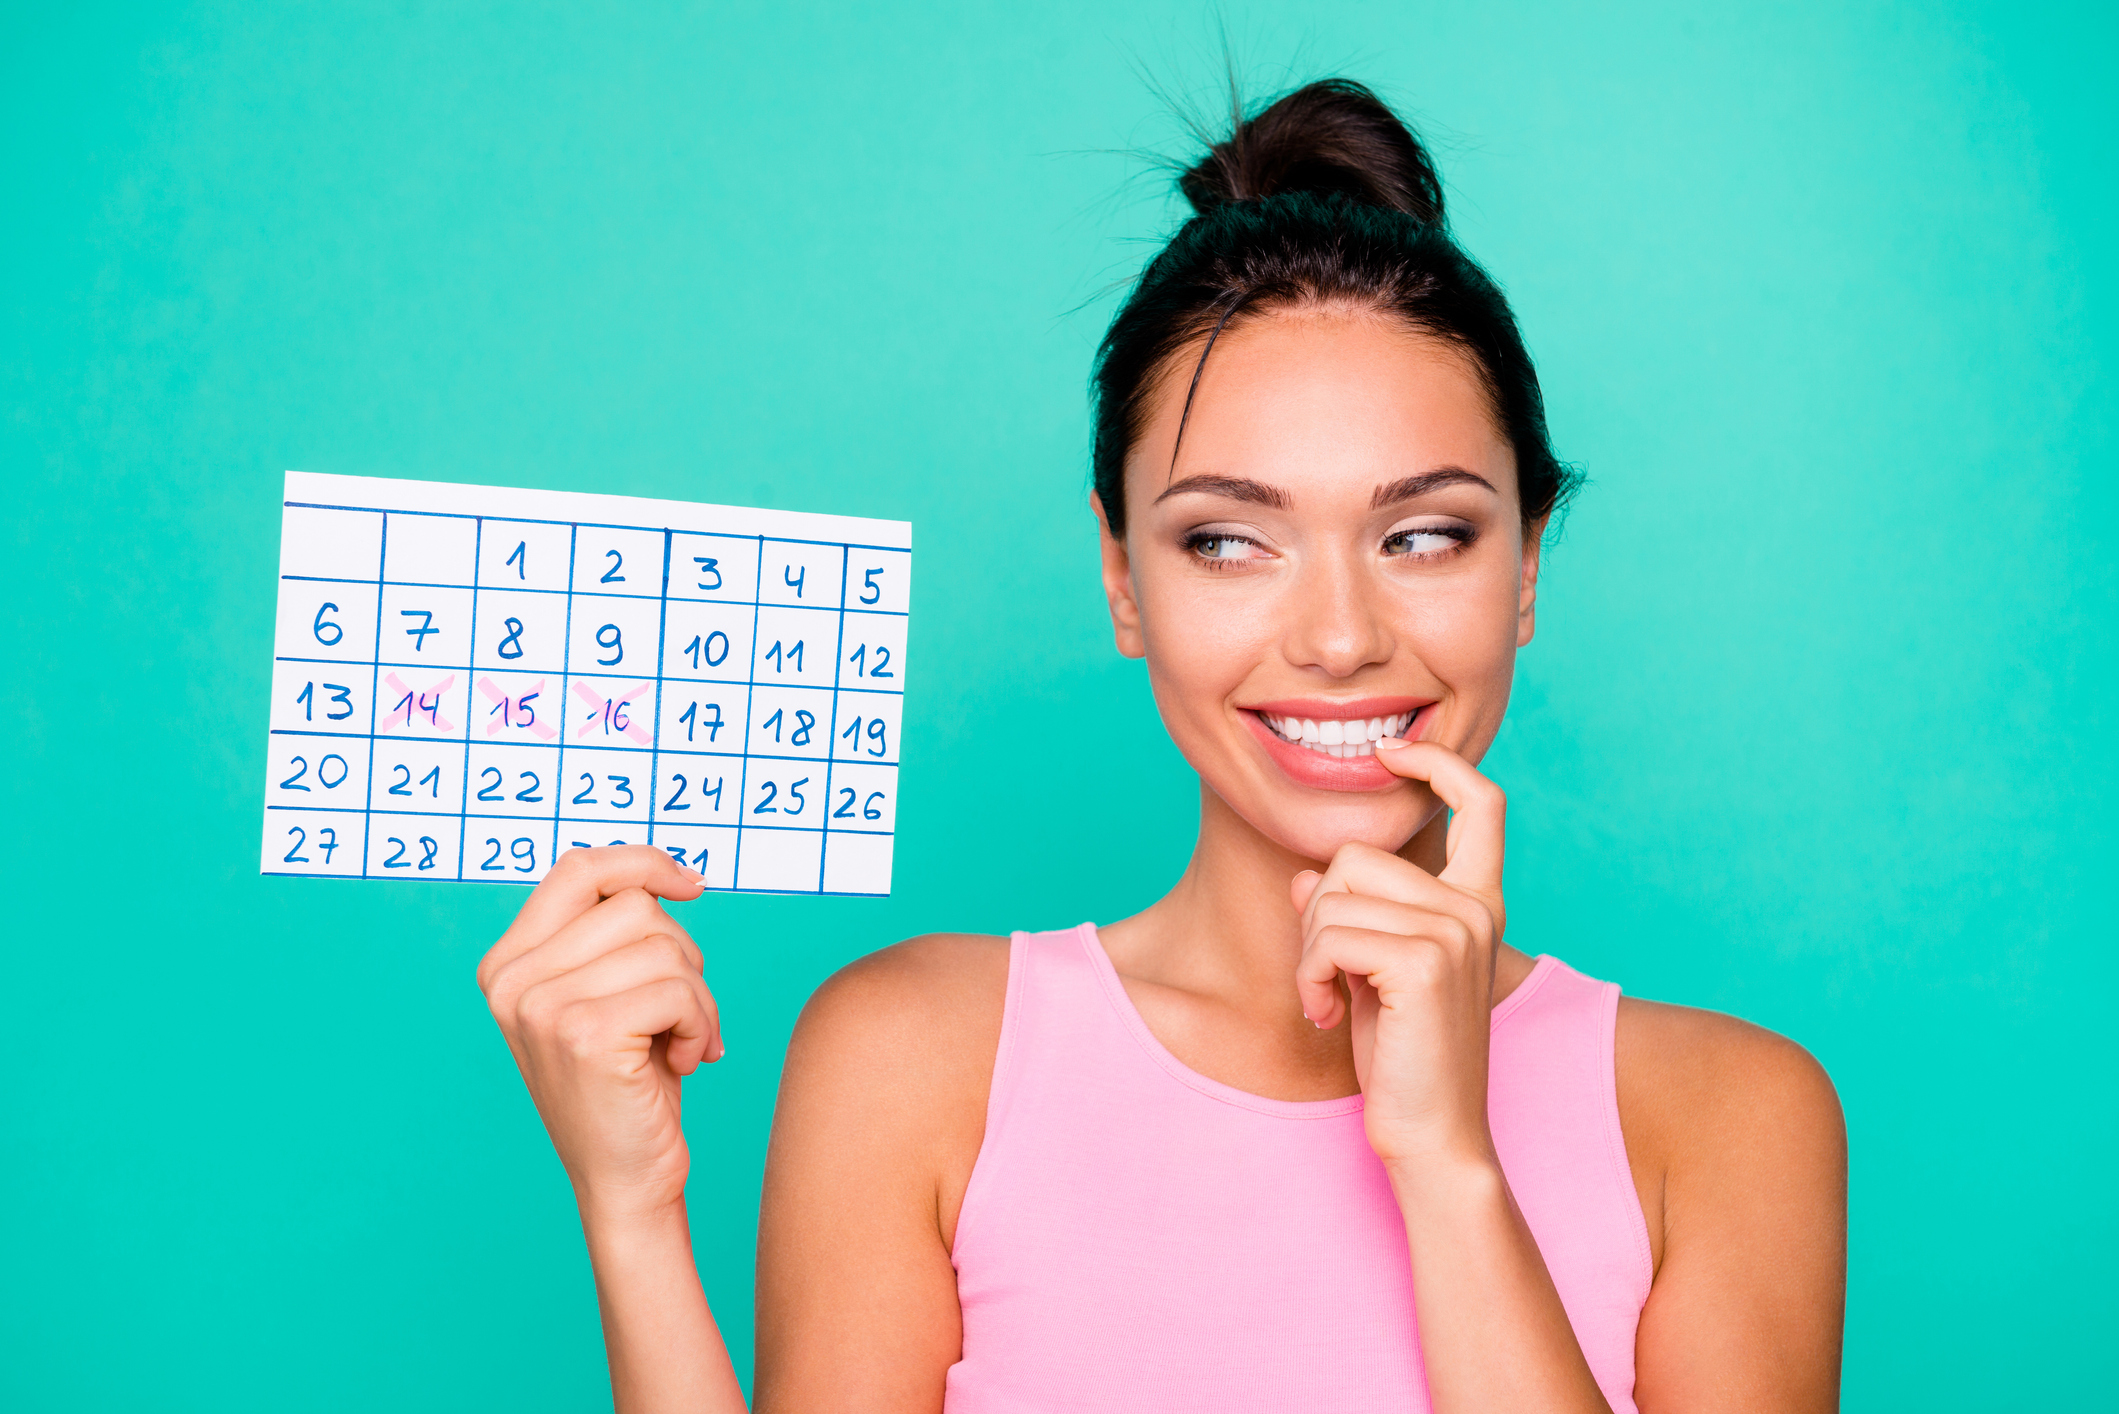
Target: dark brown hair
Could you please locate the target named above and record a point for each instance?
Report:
(1323, 197)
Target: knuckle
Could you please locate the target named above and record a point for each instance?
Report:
(575, 1030)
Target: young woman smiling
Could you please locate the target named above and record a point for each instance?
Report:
(1307, 1133)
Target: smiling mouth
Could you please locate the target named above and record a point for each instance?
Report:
(1332, 736)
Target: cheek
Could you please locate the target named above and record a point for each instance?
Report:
(1203, 641)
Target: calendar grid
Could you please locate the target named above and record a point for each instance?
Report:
(485, 683)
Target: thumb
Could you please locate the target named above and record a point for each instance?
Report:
(1303, 887)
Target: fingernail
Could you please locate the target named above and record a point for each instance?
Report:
(1391, 741)
(719, 1050)
(697, 877)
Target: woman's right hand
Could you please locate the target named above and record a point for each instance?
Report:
(599, 994)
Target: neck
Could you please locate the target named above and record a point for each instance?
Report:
(1229, 929)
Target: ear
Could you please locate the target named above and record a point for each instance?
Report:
(1527, 593)
(1118, 586)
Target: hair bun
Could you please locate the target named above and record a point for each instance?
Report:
(1329, 137)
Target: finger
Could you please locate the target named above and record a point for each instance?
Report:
(621, 919)
(632, 1019)
(645, 961)
(1446, 913)
(1354, 951)
(1301, 887)
(1478, 811)
(577, 882)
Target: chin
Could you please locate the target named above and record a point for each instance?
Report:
(1318, 830)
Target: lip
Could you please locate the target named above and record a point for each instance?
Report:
(1314, 769)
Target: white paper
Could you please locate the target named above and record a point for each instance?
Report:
(469, 680)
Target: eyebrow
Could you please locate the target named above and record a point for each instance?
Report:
(1409, 487)
(1236, 488)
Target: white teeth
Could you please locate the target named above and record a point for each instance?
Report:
(1338, 737)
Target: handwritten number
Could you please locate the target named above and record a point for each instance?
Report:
(293, 781)
(320, 624)
(294, 853)
(616, 643)
(611, 575)
(520, 560)
(491, 789)
(871, 591)
(794, 581)
(426, 626)
(675, 796)
(708, 565)
(588, 788)
(529, 792)
(511, 645)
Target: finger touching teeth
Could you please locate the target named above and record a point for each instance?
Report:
(1336, 736)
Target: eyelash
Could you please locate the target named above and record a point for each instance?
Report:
(1198, 539)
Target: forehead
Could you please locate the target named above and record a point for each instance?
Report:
(1324, 400)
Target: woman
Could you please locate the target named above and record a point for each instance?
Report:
(1307, 1133)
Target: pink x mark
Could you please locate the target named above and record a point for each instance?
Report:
(607, 711)
(410, 700)
(507, 708)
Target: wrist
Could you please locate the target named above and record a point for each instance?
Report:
(626, 1222)
(1447, 1179)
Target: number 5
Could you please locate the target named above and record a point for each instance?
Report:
(871, 591)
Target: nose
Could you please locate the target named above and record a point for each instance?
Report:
(1335, 626)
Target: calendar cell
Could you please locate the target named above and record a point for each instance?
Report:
(857, 864)
(605, 785)
(708, 642)
(323, 697)
(317, 773)
(325, 621)
(321, 543)
(795, 647)
(430, 549)
(521, 631)
(417, 777)
(425, 626)
(610, 712)
(312, 842)
(780, 861)
(709, 850)
(611, 560)
(415, 846)
(617, 636)
(517, 781)
(469, 681)
(500, 851)
(790, 721)
(867, 727)
(696, 790)
(521, 554)
(596, 834)
(428, 703)
(863, 799)
(525, 708)
(872, 652)
(703, 717)
(721, 567)
(787, 795)
(879, 581)
(800, 575)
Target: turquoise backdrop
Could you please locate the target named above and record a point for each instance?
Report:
(1816, 729)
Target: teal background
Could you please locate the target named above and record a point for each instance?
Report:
(1816, 728)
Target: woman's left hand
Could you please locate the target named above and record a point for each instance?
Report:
(1418, 953)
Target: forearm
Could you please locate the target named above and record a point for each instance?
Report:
(665, 1350)
(1492, 1329)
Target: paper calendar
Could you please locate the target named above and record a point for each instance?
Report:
(469, 680)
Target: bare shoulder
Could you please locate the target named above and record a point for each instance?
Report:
(1715, 1108)
(895, 1051)
(926, 994)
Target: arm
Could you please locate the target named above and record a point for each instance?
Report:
(599, 995)
(882, 1110)
(1418, 953)
(1744, 1131)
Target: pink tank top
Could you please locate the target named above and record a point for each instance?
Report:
(1136, 1236)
